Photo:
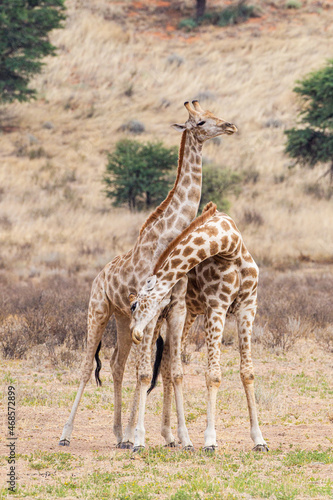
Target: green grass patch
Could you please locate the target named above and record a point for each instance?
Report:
(302, 457)
(55, 461)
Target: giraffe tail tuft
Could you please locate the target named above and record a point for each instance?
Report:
(157, 363)
(99, 365)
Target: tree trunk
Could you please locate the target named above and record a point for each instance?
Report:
(201, 7)
(148, 199)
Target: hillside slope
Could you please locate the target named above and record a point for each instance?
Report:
(120, 61)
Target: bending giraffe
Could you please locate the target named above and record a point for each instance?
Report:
(109, 293)
(212, 236)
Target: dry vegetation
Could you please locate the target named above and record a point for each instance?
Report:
(121, 61)
(54, 214)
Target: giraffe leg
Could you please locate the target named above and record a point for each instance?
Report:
(128, 437)
(144, 374)
(167, 383)
(118, 362)
(98, 315)
(214, 325)
(175, 321)
(167, 396)
(245, 318)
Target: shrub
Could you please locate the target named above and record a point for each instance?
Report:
(53, 313)
(188, 24)
(324, 337)
(293, 4)
(217, 183)
(235, 14)
(136, 174)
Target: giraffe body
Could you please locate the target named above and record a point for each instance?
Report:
(127, 273)
(225, 280)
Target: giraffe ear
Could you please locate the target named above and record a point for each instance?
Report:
(179, 127)
(132, 298)
(150, 283)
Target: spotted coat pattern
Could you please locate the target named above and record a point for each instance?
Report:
(127, 273)
(222, 278)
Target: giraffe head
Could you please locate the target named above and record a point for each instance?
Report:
(145, 305)
(203, 124)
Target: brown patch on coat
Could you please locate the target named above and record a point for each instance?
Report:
(175, 263)
(187, 251)
(225, 225)
(249, 271)
(202, 254)
(192, 227)
(199, 241)
(214, 248)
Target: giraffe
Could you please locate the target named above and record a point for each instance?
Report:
(109, 294)
(211, 242)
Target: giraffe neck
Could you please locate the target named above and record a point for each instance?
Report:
(183, 205)
(171, 218)
(218, 235)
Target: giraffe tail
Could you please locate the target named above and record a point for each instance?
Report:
(157, 363)
(99, 365)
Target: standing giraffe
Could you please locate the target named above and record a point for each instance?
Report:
(109, 294)
(212, 237)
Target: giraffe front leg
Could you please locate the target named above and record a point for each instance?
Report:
(167, 397)
(245, 318)
(98, 316)
(118, 362)
(175, 322)
(144, 374)
(128, 438)
(129, 434)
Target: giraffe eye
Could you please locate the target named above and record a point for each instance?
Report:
(133, 306)
(201, 123)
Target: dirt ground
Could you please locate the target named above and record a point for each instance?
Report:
(293, 392)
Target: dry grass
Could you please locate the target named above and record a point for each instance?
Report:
(51, 314)
(53, 213)
(57, 230)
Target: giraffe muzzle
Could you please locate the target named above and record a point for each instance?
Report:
(230, 129)
(137, 336)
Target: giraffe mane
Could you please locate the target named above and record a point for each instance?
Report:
(208, 212)
(163, 206)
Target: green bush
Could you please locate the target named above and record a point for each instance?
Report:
(293, 4)
(217, 183)
(137, 174)
(188, 24)
(235, 14)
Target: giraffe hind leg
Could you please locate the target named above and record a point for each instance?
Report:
(245, 318)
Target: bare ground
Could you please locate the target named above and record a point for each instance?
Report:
(294, 393)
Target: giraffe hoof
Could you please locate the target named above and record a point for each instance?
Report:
(171, 445)
(126, 445)
(138, 449)
(210, 449)
(189, 448)
(261, 447)
(64, 442)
